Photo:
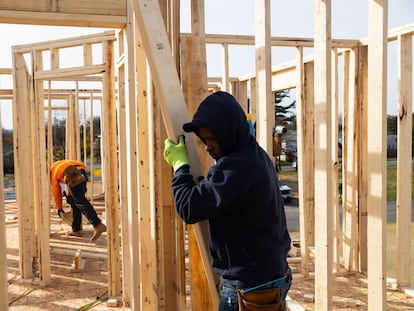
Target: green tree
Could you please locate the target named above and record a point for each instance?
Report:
(285, 109)
(391, 125)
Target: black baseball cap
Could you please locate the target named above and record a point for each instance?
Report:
(192, 126)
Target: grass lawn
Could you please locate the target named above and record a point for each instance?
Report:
(291, 178)
(392, 183)
(391, 251)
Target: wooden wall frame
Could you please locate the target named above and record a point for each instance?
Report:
(153, 59)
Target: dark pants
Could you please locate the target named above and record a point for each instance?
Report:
(80, 205)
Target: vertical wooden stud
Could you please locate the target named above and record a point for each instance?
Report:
(335, 172)
(377, 152)
(404, 175)
(323, 154)
(266, 104)
(22, 115)
(110, 170)
(40, 185)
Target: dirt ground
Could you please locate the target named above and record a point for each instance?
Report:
(70, 288)
(86, 289)
(349, 292)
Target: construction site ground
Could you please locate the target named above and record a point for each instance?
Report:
(83, 285)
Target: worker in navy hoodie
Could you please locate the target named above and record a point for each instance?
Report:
(241, 201)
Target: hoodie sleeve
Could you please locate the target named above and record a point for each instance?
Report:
(216, 194)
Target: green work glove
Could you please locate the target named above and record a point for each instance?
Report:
(175, 154)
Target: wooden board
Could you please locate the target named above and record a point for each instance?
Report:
(96, 13)
(170, 95)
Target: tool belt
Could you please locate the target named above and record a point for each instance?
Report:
(256, 300)
(73, 176)
(266, 296)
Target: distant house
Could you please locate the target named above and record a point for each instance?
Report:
(289, 146)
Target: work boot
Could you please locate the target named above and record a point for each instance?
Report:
(97, 231)
(74, 233)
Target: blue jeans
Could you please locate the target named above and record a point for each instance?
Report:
(80, 205)
(228, 295)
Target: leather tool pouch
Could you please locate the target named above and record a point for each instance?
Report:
(266, 299)
(73, 176)
(77, 180)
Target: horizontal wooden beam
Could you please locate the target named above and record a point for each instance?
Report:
(61, 19)
(67, 91)
(6, 71)
(275, 41)
(407, 30)
(91, 13)
(66, 43)
(296, 41)
(69, 72)
(100, 7)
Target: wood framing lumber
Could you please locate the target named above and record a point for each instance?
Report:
(363, 155)
(101, 7)
(406, 31)
(225, 79)
(323, 154)
(293, 305)
(22, 147)
(79, 252)
(166, 80)
(78, 263)
(335, 166)
(349, 161)
(377, 152)
(147, 209)
(66, 43)
(194, 81)
(264, 101)
(91, 13)
(6, 71)
(393, 34)
(110, 169)
(404, 152)
(275, 41)
(70, 72)
(128, 163)
(61, 19)
(3, 247)
(304, 100)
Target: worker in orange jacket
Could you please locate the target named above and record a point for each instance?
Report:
(73, 175)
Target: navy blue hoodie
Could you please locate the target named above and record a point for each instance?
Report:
(239, 197)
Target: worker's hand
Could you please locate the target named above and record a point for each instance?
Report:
(176, 154)
(60, 212)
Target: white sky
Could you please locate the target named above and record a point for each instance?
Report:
(293, 18)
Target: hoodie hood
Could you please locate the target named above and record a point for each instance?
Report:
(223, 115)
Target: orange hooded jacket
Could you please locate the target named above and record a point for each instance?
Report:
(57, 177)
